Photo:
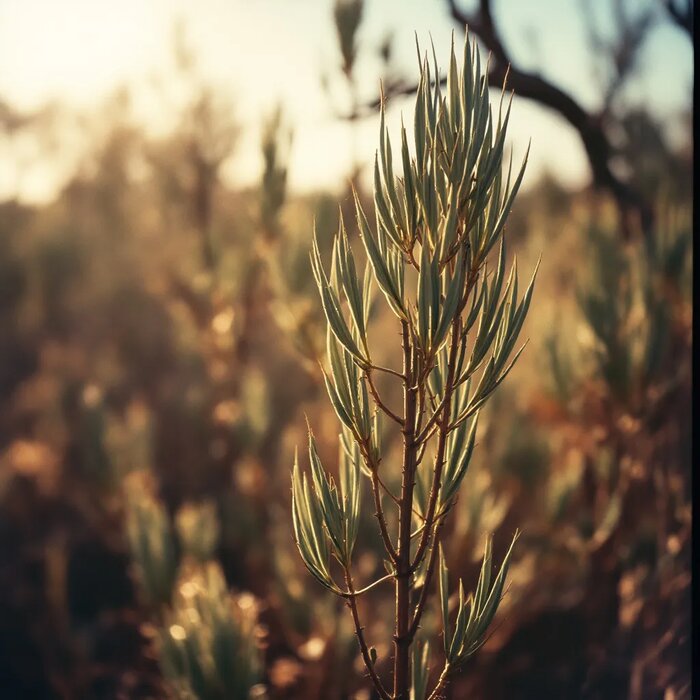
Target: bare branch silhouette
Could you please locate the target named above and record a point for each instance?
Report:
(592, 127)
(682, 14)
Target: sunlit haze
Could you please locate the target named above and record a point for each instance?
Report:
(77, 52)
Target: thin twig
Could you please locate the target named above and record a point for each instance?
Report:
(423, 599)
(388, 370)
(442, 682)
(374, 471)
(359, 632)
(396, 500)
(378, 400)
(426, 432)
(402, 641)
(348, 594)
(441, 448)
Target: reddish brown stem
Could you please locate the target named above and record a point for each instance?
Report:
(402, 641)
(442, 682)
(374, 469)
(378, 400)
(443, 425)
(426, 583)
(359, 632)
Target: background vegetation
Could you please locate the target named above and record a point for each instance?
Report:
(160, 331)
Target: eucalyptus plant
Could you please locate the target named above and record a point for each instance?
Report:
(437, 253)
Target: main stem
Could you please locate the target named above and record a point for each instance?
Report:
(402, 637)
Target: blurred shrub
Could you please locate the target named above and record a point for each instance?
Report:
(207, 646)
(198, 529)
(151, 540)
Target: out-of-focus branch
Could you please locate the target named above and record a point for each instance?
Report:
(533, 86)
(682, 14)
(622, 51)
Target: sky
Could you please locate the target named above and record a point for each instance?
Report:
(261, 52)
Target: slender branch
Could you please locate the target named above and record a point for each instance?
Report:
(432, 559)
(429, 431)
(441, 448)
(402, 642)
(421, 404)
(432, 421)
(387, 491)
(349, 594)
(378, 400)
(421, 453)
(377, 481)
(359, 632)
(396, 500)
(442, 682)
(444, 424)
(419, 529)
(379, 511)
(388, 370)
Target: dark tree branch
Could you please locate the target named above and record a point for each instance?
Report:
(682, 14)
(532, 86)
(621, 52)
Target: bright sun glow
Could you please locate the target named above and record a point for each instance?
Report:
(77, 52)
